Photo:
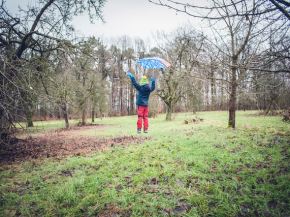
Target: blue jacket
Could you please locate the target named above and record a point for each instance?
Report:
(143, 91)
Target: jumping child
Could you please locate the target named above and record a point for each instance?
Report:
(144, 90)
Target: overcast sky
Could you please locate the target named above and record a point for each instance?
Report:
(135, 18)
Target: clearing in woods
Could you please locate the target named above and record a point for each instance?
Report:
(181, 168)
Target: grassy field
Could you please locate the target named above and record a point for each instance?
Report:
(203, 169)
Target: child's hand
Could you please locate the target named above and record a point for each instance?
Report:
(130, 75)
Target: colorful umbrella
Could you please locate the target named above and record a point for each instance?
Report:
(153, 63)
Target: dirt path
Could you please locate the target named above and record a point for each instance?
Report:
(60, 143)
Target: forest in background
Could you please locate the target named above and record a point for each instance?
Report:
(48, 74)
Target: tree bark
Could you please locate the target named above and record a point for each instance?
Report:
(233, 96)
(169, 108)
(131, 96)
(5, 124)
(221, 107)
(28, 110)
(29, 114)
(65, 115)
(207, 103)
(84, 105)
(84, 111)
(232, 107)
(213, 89)
(131, 101)
(93, 114)
(121, 98)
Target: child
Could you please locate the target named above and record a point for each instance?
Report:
(144, 90)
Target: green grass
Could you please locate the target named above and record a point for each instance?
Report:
(44, 126)
(200, 169)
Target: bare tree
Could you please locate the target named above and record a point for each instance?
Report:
(37, 31)
(85, 59)
(182, 51)
(99, 86)
(235, 24)
(209, 9)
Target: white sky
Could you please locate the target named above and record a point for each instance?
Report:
(135, 18)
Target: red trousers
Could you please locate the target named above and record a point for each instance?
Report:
(142, 116)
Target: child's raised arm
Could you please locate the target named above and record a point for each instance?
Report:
(133, 80)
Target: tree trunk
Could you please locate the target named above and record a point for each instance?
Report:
(221, 107)
(84, 114)
(213, 90)
(84, 105)
(93, 102)
(132, 101)
(131, 96)
(233, 97)
(5, 124)
(169, 108)
(268, 109)
(93, 114)
(27, 106)
(207, 95)
(65, 115)
(112, 104)
(232, 108)
(121, 97)
(29, 114)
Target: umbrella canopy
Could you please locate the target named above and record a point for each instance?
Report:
(153, 63)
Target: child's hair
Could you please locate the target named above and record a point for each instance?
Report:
(144, 80)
